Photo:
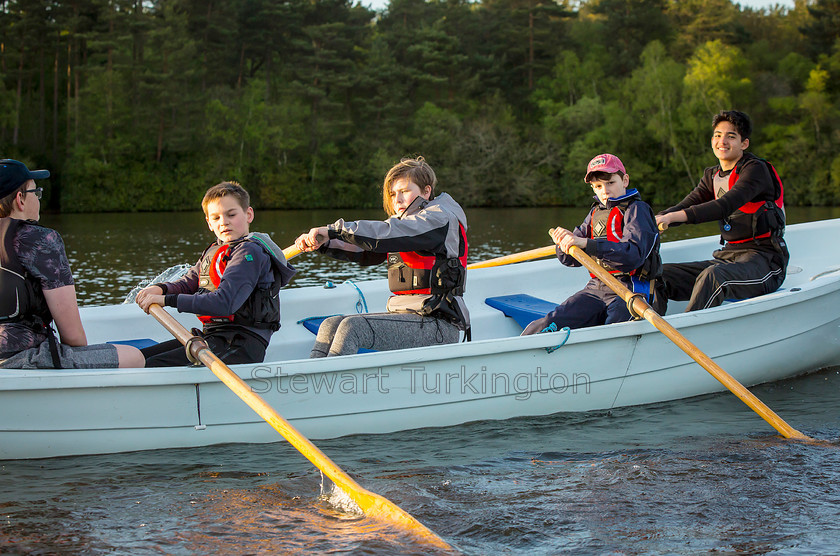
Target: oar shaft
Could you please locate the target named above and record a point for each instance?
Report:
(372, 504)
(725, 378)
(641, 307)
(516, 257)
(291, 251)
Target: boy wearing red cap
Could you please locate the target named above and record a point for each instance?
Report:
(745, 195)
(620, 233)
(37, 289)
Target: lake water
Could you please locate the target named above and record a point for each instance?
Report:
(687, 477)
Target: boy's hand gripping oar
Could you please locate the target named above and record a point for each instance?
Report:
(639, 306)
(373, 505)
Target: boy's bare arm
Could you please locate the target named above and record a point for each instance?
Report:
(65, 311)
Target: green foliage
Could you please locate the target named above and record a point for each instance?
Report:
(143, 105)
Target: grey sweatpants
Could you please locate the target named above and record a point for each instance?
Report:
(347, 334)
(96, 356)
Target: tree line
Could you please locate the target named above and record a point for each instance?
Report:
(143, 104)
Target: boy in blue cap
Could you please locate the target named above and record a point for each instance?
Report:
(36, 287)
(620, 234)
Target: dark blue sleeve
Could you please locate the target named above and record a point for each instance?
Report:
(639, 238)
(248, 267)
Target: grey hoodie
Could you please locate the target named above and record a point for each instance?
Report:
(428, 227)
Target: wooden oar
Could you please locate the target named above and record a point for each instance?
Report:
(516, 257)
(292, 251)
(373, 505)
(642, 308)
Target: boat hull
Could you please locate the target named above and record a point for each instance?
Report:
(499, 375)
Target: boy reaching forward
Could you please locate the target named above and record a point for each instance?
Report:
(620, 233)
(233, 288)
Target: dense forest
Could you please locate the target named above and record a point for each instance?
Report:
(143, 104)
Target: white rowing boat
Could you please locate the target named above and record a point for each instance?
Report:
(498, 375)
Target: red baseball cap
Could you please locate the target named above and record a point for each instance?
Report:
(604, 163)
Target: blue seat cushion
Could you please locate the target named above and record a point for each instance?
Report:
(139, 343)
(522, 308)
(314, 323)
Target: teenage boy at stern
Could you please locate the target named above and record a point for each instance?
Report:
(620, 233)
(37, 287)
(234, 288)
(745, 194)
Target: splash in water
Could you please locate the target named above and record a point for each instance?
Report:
(168, 275)
(337, 498)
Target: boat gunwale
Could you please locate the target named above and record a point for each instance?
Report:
(44, 379)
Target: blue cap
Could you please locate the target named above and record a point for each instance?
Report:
(13, 174)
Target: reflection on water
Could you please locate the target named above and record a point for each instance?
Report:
(112, 253)
(686, 477)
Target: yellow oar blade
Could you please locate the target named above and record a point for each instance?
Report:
(641, 307)
(373, 505)
(516, 257)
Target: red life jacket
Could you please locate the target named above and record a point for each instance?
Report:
(608, 223)
(260, 310)
(213, 265)
(755, 219)
(409, 272)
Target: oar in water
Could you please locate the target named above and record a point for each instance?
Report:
(373, 505)
(641, 307)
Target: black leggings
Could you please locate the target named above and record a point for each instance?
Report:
(230, 347)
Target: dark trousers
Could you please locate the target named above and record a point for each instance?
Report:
(230, 347)
(732, 274)
(594, 305)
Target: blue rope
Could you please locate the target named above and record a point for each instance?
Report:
(553, 328)
(361, 303)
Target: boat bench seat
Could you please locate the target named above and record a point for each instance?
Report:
(521, 307)
(139, 343)
(313, 323)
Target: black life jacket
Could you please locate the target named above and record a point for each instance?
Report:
(21, 297)
(608, 223)
(262, 308)
(441, 278)
(410, 272)
(763, 217)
